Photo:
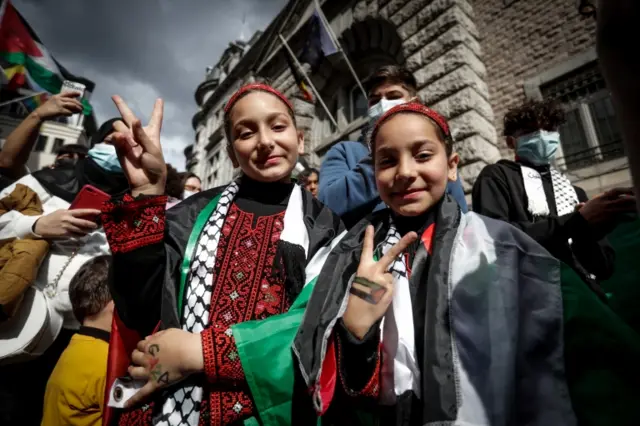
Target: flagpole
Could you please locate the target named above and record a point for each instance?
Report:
(338, 46)
(308, 80)
(261, 58)
(21, 99)
(3, 7)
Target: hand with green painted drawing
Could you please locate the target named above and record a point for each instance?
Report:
(163, 359)
(372, 287)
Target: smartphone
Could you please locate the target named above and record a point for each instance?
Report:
(72, 86)
(89, 197)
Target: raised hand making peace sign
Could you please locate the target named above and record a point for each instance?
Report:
(372, 288)
(139, 149)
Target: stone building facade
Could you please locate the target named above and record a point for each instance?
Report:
(473, 60)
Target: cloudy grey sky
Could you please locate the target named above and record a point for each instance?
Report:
(143, 49)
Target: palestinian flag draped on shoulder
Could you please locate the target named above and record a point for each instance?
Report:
(27, 65)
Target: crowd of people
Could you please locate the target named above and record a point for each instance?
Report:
(365, 292)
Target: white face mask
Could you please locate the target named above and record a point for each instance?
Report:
(376, 111)
(186, 194)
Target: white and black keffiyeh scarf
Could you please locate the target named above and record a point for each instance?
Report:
(182, 407)
(400, 371)
(564, 194)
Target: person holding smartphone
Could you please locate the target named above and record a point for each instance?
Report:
(19, 144)
(74, 238)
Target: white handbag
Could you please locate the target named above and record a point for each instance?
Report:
(32, 329)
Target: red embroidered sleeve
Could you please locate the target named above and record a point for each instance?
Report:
(221, 359)
(131, 224)
(372, 388)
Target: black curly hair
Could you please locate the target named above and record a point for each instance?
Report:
(532, 116)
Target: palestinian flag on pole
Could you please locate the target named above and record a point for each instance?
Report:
(26, 64)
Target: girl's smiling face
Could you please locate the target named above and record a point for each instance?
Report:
(411, 164)
(265, 143)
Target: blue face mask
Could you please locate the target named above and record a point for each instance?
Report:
(105, 156)
(538, 148)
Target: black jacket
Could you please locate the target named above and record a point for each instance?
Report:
(65, 182)
(499, 193)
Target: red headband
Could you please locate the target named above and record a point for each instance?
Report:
(417, 108)
(255, 86)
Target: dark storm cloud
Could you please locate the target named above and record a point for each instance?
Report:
(141, 49)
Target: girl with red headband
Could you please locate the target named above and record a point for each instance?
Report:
(434, 316)
(225, 275)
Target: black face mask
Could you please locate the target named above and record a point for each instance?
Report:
(66, 162)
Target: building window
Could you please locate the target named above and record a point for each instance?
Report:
(591, 133)
(57, 144)
(41, 143)
(14, 110)
(358, 104)
(328, 128)
(214, 165)
(212, 180)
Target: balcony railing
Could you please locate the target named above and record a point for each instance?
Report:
(592, 156)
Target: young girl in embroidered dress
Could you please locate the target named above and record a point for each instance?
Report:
(223, 274)
(460, 326)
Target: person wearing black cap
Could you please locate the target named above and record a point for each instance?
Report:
(100, 169)
(68, 155)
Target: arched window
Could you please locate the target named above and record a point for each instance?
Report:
(358, 105)
(369, 44)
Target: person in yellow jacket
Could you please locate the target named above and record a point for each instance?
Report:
(75, 390)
